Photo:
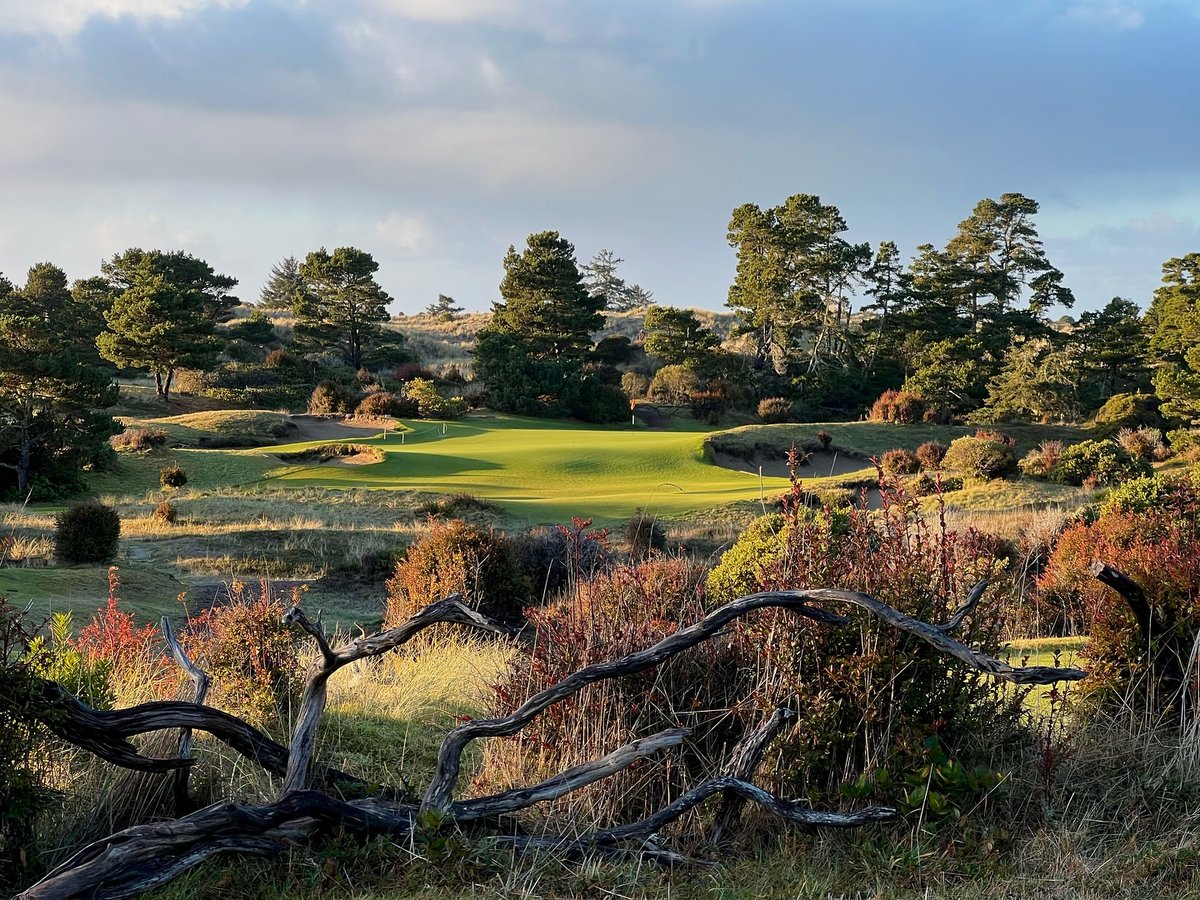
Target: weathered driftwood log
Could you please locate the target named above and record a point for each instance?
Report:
(1165, 652)
(312, 704)
(142, 857)
(200, 684)
(743, 764)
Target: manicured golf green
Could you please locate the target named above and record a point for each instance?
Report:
(544, 471)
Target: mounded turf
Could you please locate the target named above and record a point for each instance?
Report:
(543, 471)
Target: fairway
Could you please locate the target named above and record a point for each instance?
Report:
(543, 471)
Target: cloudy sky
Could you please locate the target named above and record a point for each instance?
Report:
(434, 133)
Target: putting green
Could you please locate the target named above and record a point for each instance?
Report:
(542, 471)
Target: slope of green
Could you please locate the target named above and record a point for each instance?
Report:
(544, 471)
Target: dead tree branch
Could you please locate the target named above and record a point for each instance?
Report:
(744, 761)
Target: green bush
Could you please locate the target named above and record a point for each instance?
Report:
(1183, 440)
(1097, 463)
(742, 566)
(634, 385)
(981, 457)
(457, 557)
(87, 532)
(926, 485)
(1150, 492)
(430, 403)
(1127, 411)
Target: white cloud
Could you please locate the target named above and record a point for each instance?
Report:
(66, 17)
(408, 233)
(1108, 13)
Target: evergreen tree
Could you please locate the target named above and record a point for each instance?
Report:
(284, 285)
(794, 276)
(342, 304)
(533, 351)
(677, 337)
(51, 386)
(164, 313)
(602, 281)
(1036, 383)
(1111, 350)
(444, 308)
(1173, 326)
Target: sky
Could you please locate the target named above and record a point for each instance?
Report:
(435, 133)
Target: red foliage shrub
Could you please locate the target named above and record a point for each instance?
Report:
(930, 454)
(898, 462)
(111, 634)
(1160, 550)
(252, 657)
(901, 407)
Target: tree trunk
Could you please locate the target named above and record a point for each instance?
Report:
(158, 383)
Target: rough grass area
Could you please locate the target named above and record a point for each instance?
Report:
(225, 428)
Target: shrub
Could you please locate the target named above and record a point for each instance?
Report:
(166, 512)
(615, 613)
(930, 454)
(673, 384)
(251, 656)
(458, 557)
(824, 438)
(645, 534)
(172, 476)
(560, 557)
(1143, 442)
(1184, 440)
(87, 532)
(431, 404)
(898, 462)
(926, 485)
(280, 359)
(409, 371)
(980, 457)
(1038, 462)
(378, 405)
(901, 407)
(330, 398)
(23, 795)
(452, 505)
(634, 385)
(1161, 553)
(112, 637)
(1097, 463)
(1151, 493)
(774, 410)
(850, 722)
(139, 440)
(1126, 411)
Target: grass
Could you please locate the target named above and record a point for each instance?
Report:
(546, 471)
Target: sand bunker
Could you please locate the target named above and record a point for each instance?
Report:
(818, 465)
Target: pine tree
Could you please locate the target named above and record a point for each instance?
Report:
(164, 313)
(284, 285)
(601, 279)
(51, 387)
(342, 304)
(444, 308)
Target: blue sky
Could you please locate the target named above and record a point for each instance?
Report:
(434, 133)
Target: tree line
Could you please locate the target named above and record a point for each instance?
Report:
(965, 328)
